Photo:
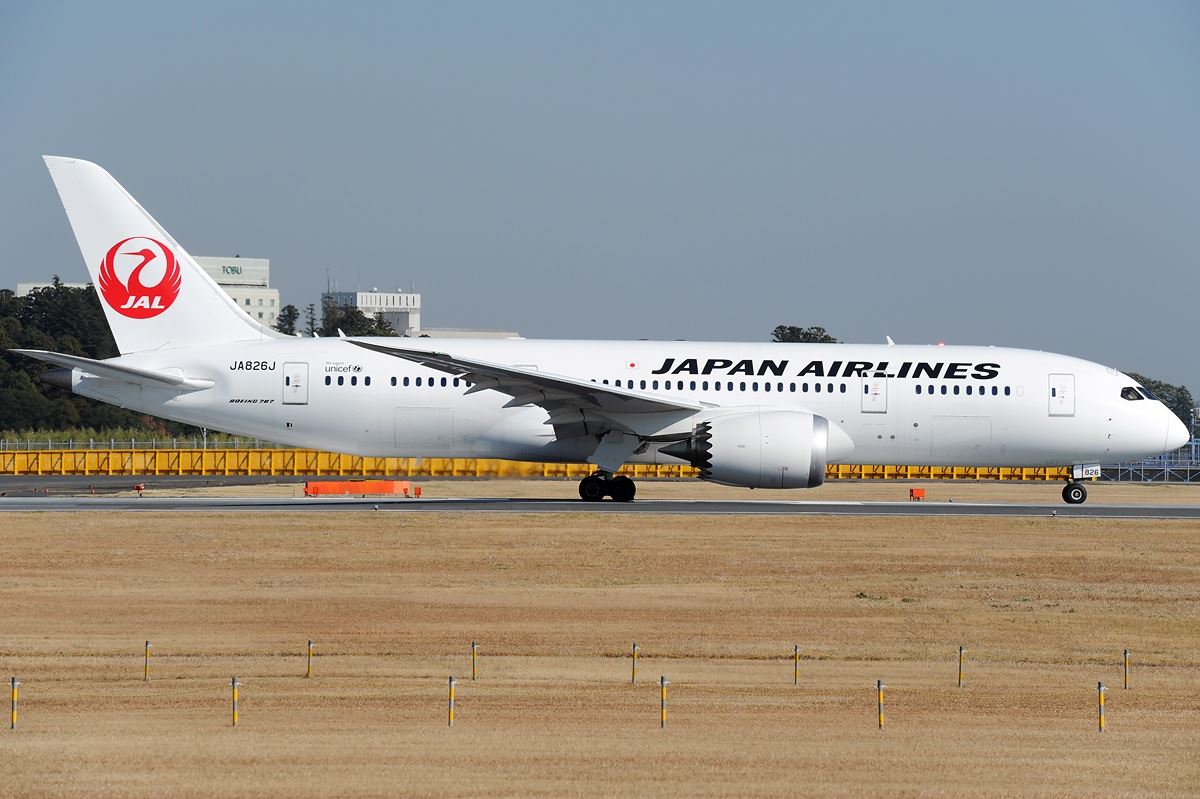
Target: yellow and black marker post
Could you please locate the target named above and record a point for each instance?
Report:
(12, 718)
(308, 668)
(234, 685)
(662, 702)
(474, 657)
(961, 651)
(146, 664)
(633, 677)
(879, 686)
(1100, 705)
(1126, 668)
(450, 707)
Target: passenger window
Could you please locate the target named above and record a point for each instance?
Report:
(287, 381)
(443, 382)
(1007, 391)
(654, 385)
(717, 386)
(418, 381)
(995, 391)
(779, 387)
(817, 387)
(754, 386)
(1054, 392)
(968, 390)
(830, 387)
(628, 384)
(693, 385)
(328, 380)
(729, 386)
(341, 380)
(956, 390)
(643, 383)
(766, 386)
(918, 389)
(1129, 393)
(742, 386)
(354, 381)
(393, 381)
(792, 387)
(406, 381)
(456, 382)
(943, 391)
(866, 389)
(843, 389)
(366, 381)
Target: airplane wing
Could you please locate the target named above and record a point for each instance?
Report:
(117, 371)
(552, 392)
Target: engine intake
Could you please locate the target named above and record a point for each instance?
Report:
(763, 449)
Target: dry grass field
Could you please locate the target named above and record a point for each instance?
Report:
(1045, 607)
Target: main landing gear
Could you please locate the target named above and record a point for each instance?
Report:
(596, 487)
(1074, 493)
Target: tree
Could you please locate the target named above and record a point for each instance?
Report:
(59, 319)
(310, 320)
(805, 335)
(288, 316)
(1177, 398)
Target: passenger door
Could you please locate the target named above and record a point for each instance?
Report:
(295, 384)
(1061, 394)
(874, 395)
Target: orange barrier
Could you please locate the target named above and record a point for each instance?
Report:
(327, 488)
(916, 495)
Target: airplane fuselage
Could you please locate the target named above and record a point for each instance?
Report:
(918, 405)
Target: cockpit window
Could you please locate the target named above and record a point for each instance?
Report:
(1130, 393)
(1147, 393)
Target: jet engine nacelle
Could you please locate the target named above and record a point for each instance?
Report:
(763, 449)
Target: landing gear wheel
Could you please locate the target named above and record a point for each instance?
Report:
(621, 489)
(1074, 494)
(593, 488)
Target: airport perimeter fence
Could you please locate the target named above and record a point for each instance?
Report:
(252, 457)
(29, 444)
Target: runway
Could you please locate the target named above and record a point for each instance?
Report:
(649, 507)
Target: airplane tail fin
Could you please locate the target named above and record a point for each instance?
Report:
(153, 293)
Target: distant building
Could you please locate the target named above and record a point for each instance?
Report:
(248, 282)
(401, 310)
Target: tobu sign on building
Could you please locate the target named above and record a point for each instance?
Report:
(237, 271)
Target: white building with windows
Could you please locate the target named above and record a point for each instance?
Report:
(248, 282)
(402, 310)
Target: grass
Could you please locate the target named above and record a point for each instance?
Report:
(1044, 606)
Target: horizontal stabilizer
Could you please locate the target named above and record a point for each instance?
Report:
(117, 371)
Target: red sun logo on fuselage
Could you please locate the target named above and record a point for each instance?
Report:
(132, 297)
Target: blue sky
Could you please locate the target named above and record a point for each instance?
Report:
(1023, 174)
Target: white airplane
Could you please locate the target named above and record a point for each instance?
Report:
(763, 415)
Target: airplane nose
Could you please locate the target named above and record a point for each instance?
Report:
(1177, 433)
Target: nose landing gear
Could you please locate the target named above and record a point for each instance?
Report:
(596, 487)
(1074, 493)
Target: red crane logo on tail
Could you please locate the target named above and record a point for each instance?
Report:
(133, 298)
